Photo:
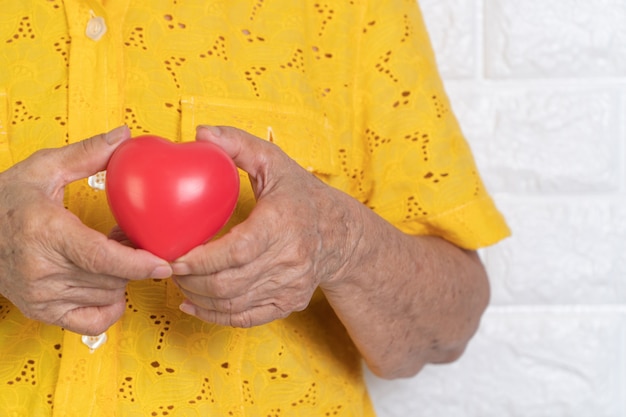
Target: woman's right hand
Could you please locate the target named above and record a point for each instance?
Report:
(52, 267)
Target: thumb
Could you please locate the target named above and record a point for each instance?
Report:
(93, 320)
(82, 159)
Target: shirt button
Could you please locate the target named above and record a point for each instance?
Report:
(94, 342)
(96, 28)
(98, 181)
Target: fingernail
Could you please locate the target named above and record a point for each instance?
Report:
(213, 130)
(117, 134)
(161, 272)
(188, 308)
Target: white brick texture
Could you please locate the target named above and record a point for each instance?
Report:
(540, 90)
(554, 39)
(524, 362)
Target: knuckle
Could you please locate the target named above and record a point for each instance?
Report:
(243, 249)
(51, 224)
(282, 312)
(292, 305)
(278, 216)
(223, 305)
(301, 304)
(242, 320)
(298, 255)
(305, 271)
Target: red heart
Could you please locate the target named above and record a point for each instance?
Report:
(169, 198)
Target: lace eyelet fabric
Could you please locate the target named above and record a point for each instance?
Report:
(349, 89)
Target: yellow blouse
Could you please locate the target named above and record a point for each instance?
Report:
(348, 88)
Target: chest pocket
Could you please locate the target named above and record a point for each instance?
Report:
(6, 160)
(304, 135)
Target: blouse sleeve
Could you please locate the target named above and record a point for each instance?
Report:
(423, 177)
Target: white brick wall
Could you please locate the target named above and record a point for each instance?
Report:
(540, 89)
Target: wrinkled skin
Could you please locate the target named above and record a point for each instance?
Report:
(52, 267)
(405, 300)
(269, 266)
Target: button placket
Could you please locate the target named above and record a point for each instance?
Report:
(95, 30)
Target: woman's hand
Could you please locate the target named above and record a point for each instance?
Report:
(299, 235)
(405, 300)
(52, 267)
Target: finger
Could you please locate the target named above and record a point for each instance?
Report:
(238, 248)
(93, 296)
(88, 282)
(118, 235)
(75, 289)
(96, 254)
(234, 304)
(224, 305)
(241, 287)
(255, 317)
(285, 296)
(93, 321)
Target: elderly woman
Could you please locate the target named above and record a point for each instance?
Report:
(353, 237)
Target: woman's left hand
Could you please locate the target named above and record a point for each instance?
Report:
(300, 234)
(404, 300)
